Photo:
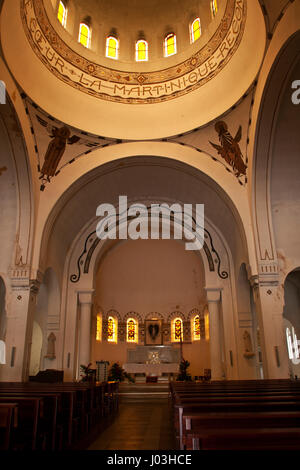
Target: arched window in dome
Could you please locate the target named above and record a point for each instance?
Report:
(112, 47)
(112, 329)
(196, 328)
(214, 7)
(141, 50)
(195, 30)
(62, 14)
(98, 327)
(177, 330)
(170, 45)
(84, 35)
(132, 330)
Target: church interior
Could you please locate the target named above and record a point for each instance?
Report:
(131, 340)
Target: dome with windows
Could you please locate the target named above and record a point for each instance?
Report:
(160, 34)
(101, 57)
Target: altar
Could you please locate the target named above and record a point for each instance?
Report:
(152, 360)
(151, 369)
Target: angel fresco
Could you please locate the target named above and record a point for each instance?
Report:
(229, 148)
(60, 137)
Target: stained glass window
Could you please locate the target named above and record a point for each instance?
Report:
(177, 330)
(206, 321)
(62, 14)
(195, 30)
(112, 47)
(132, 331)
(196, 329)
(98, 328)
(214, 7)
(141, 50)
(170, 45)
(112, 330)
(84, 35)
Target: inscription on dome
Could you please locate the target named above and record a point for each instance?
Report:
(127, 87)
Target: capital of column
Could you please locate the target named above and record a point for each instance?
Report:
(85, 297)
(213, 294)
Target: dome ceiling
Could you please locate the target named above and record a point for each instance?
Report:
(135, 86)
(131, 20)
(121, 98)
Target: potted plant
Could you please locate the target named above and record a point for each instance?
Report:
(183, 374)
(117, 373)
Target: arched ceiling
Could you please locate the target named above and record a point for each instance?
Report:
(140, 105)
(140, 178)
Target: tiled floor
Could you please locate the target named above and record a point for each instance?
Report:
(139, 426)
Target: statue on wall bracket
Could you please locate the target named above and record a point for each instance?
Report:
(229, 148)
(248, 345)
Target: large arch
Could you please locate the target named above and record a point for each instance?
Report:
(274, 86)
(67, 247)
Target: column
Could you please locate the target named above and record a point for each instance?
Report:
(269, 302)
(19, 326)
(215, 337)
(85, 302)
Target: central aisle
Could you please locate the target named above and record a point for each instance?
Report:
(144, 421)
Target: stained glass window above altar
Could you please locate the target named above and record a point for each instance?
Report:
(112, 330)
(132, 330)
(177, 332)
(196, 328)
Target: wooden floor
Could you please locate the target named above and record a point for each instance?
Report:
(144, 421)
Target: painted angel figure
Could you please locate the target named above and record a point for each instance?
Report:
(55, 150)
(229, 148)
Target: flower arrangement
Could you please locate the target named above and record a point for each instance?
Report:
(87, 374)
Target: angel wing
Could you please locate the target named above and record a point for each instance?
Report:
(238, 134)
(49, 128)
(217, 147)
(72, 140)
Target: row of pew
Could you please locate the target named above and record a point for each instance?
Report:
(236, 415)
(53, 416)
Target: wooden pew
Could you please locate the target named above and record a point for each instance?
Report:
(79, 407)
(230, 398)
(27, 435)
(8, 420)
(204, 430)
(51, 408)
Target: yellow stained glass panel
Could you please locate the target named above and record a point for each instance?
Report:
(62, 13)
(170, 45)
(84, 35)
(196, 30)
(141, 51)
(112, 48)
(214, 7)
